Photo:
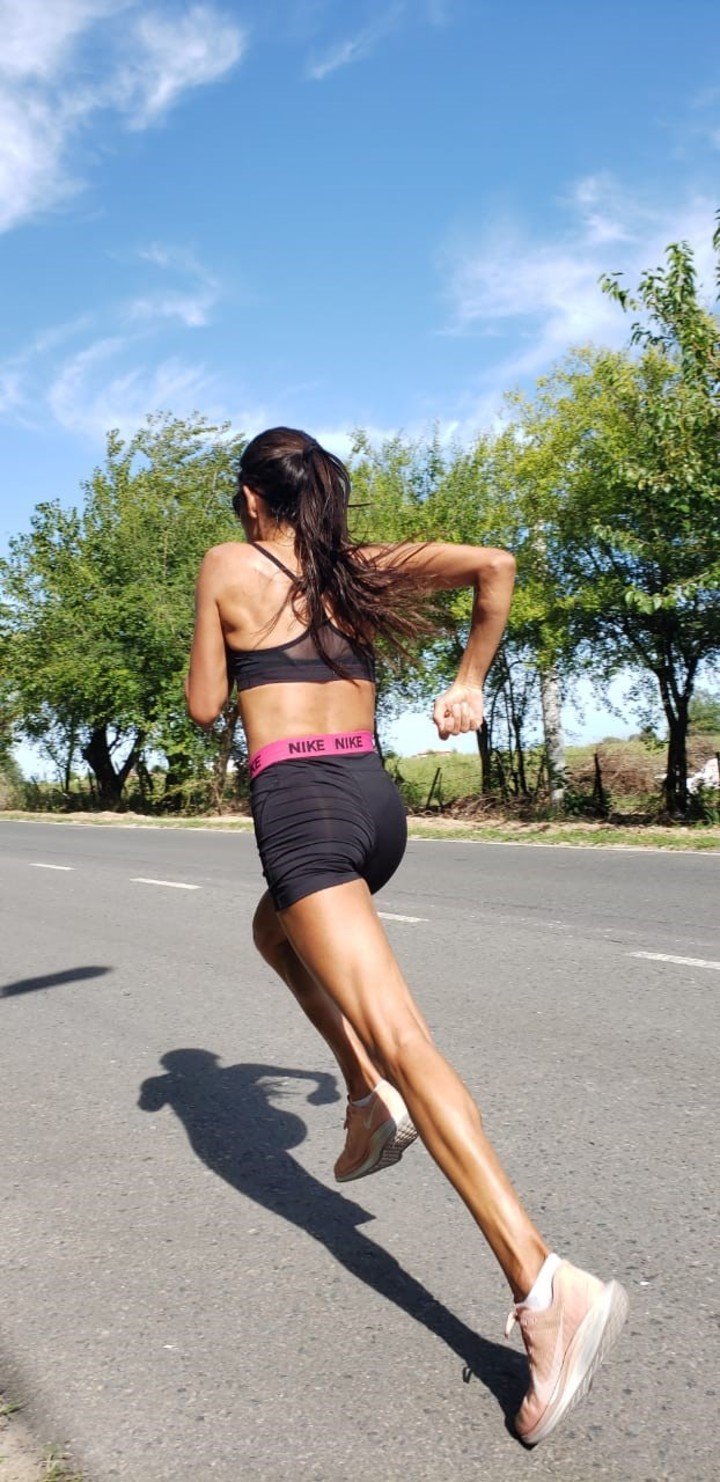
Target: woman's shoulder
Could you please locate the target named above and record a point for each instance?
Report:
(227, 550)
(230, 559)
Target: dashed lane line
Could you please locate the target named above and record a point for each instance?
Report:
(37, 866)
(680, 961)
(171, 884)
(390, 916)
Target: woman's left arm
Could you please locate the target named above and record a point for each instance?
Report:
(206, 687)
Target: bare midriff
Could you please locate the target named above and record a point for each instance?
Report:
(275, 712)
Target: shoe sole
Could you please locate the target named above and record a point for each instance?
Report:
(593, 1340)
(387, 1146)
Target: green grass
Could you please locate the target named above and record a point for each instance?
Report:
(460, 773)
(630, 775)
(579, 835)
(239, 822)
(10, 1407)
(56, 1467)
(587, 834)
(53, 1462)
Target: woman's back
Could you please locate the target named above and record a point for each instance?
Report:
(284, 685)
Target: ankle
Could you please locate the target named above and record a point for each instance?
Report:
(360, 1087)
(524, 1275)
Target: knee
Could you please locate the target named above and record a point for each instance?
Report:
(267, 933)
(400, 1047)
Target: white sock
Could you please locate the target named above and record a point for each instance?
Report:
(364, 1100)
(540, 1295)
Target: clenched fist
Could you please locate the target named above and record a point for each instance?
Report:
(460, 709)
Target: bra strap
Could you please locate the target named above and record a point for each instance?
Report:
(271, 557)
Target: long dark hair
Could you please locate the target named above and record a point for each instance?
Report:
(308, 488)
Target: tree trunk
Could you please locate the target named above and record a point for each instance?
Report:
(483, 741)
(69, 757)
(676, 793)
(520, 755)
(554, 740)
(97, 754)
(222, 759)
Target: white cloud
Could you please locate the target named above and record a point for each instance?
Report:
(170, 54)
(439, 12)
(546, 293)
(355, 48)
(11, 390)
(33, 173)
(109, 369)
(38, 36)
(191, 309)
(381, 20)
(191, 305)
(88, 396)
(50, 91)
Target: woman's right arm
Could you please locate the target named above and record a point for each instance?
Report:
(491, 572)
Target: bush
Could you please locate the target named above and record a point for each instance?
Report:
(412, 792)
(11, 785)
(705, 805)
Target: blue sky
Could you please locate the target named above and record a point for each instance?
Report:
(329, 213)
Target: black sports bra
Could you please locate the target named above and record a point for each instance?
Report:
(298, 661)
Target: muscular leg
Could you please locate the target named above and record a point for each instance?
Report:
(360, 1072)
(338, 936)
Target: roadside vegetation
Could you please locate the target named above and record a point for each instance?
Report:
(604, 483)
(22, 1459)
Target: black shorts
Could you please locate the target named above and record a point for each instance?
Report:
(321, 821)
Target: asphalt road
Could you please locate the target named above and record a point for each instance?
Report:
(184, 1291)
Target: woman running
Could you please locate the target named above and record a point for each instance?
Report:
(331, 830)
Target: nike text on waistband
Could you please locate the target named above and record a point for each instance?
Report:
(337, 743)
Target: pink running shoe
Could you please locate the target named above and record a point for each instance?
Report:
(565, 1345)
(377, 1134)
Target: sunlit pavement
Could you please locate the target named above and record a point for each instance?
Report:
(185, 1292)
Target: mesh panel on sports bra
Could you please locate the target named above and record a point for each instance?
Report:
(299, 661)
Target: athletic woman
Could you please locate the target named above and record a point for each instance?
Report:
(290, 616)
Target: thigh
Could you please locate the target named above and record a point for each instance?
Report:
(339, 937)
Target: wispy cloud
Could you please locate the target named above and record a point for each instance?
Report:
(38, 38)
(107, 369)
(439, 12)
(358, 46)
(703, 120)
(169, 55)
(191, 304)
(545, 293)
(66, 65)
(373, 21)
(90, 394)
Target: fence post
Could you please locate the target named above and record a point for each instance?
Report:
(438, 773)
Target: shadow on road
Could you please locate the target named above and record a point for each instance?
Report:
(245, 1138)
(52, 980)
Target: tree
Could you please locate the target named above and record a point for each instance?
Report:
(676, 481)
(97, 610)
(705, 713)
(629, 496)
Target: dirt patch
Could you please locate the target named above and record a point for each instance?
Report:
(21, 1459)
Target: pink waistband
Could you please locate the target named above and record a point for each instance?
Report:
(338, 743)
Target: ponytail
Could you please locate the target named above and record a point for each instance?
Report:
(308, 488)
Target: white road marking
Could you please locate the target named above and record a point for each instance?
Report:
(390, 916)
(51, 867)
(681, 961)
(172, 884)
